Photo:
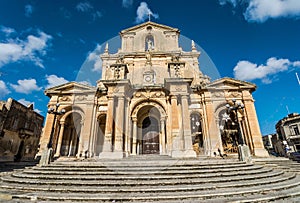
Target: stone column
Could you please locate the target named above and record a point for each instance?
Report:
(188, 146)
(206, 138)
(107, 145)
(60, 138)
(163, 136)
(176, 145)
(80, 142)
(119, 127)
(213, 130)
(134, 136)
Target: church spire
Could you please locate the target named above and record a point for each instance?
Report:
(106, 48)
(193, 46)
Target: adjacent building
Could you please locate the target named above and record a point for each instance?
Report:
(288, 131)
(152, 98)
(20, 131)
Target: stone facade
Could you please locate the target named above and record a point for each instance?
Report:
(152, 99)
(20, 131)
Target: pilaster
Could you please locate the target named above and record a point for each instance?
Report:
(254, 129)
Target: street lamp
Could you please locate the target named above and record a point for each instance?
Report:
(47, 154)
(243, 149)
(55, 112)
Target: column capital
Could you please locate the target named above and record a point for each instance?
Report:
(134, 119)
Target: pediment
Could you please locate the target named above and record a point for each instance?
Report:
(70, 88)
(229, 83)
(146, 24)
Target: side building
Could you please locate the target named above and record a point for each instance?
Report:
(288, 130)
(20, 131)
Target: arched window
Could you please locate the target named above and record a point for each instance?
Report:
(149, 43)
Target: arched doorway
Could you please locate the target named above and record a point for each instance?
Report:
(100, 134)
(229, 132)
(71, 135)
(150, 131)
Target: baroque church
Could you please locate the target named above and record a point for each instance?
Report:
(152, 98)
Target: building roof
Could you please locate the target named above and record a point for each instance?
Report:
(149, 23)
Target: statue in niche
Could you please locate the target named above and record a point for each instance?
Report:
(150, 44)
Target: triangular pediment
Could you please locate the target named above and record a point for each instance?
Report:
(227, 83)
(70, 88)
(146, 24)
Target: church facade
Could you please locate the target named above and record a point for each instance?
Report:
(152, 99)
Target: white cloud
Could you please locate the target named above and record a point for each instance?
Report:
(27, 103)
(65, 13)
(25, 86)
(246, 70)
(28, 10)
(262, 10)
(143, 12)
(94, 59)
(54, 80)
(7, 30)
(84, 7)
(3, 89)
(233, 2)
(96, 14)
(31, 49)
(127, 3)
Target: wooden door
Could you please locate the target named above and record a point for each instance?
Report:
(151, 143)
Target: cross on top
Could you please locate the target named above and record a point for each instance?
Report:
(149, 15)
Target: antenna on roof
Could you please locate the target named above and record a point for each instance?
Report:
(298, 78)
(287, 108)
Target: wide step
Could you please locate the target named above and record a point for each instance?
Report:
(148, 180)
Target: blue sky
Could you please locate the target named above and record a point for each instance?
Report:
(46, 43)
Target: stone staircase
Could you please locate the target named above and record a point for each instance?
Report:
(154, 179)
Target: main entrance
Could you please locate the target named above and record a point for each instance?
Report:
(150, 131)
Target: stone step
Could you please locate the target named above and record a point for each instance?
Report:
(141, 171)
(135, 182)
(144, 179)
(156, 188)
(287, 195)
(167, 196)
(133, 162)
(105, 166)
(116, 175)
